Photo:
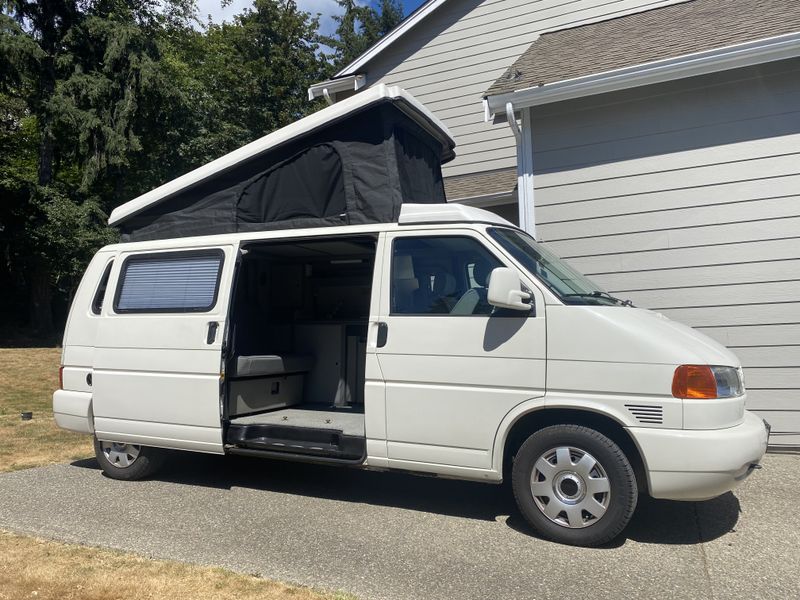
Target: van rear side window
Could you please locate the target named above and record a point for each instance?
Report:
(169, 282)
(97, 301)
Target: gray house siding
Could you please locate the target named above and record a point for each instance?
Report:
(685, 198)
(452, 57)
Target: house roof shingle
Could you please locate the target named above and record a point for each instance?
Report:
(459, 187)
(640, 38)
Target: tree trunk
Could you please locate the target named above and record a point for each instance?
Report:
(41, 296)
(41, 291)
(46, 157)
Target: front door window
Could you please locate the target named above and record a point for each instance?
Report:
(441, 275)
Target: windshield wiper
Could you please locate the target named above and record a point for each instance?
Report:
(599, 294)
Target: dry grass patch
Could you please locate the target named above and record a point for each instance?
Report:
(28, 377)
(34, 568)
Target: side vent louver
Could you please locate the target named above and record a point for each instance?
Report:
(649, 414)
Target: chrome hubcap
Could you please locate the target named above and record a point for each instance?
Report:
(120, 455)
(570, 487)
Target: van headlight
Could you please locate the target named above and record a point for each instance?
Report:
(705, 381)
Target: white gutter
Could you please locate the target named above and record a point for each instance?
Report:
(525, 189)
(780, 47)
(328, 89)
(511, 118)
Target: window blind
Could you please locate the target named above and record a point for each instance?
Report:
(170, 283)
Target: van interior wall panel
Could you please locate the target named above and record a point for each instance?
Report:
(354, 171)
(685, 198)
(450, 58)
(325, 341)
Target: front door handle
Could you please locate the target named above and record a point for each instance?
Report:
(383, 334)
(211, 336)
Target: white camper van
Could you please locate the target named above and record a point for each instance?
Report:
(440, 340)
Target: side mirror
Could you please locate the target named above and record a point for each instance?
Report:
(505, 290)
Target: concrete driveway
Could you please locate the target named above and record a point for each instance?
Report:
(395, 536)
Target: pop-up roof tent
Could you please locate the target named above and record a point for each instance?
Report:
(353, 162)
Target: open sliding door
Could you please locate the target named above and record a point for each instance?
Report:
(156, 376)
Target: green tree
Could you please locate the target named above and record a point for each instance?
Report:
(101, 100)
(245, 79)
(80, 76)
(359, 27)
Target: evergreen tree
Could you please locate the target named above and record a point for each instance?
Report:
(102, 100)
(359, 27)
(83, 71)
(246, 78)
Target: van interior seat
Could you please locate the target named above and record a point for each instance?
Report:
(442, 288)
(404, 284)
(475, 300)
(272, 364)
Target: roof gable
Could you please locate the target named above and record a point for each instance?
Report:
(667, 32)
(400, 30)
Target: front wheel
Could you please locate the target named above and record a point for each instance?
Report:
(127, 461)
(574, 485)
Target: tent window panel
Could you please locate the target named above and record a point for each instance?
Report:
(307, 185)
(171, 282)
(419, 169)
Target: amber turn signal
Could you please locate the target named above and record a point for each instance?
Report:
(694, 381)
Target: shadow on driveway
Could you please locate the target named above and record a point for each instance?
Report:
(654, 522)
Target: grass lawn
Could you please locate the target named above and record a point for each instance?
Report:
(28, 377)
(33, 568)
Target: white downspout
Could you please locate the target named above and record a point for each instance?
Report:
(525, 190)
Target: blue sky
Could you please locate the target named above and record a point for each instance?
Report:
(326, 8)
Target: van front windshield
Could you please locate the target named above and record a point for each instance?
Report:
(560, 278)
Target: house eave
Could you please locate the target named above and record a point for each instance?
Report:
(487, 200)
(691, 65)
(332, 86)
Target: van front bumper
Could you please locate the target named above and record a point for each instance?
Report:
(701, 464)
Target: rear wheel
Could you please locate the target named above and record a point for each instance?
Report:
(127, 461)
(574, 485)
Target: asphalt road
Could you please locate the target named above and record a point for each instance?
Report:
(396, 536)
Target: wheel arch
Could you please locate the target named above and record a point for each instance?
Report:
(528, 422)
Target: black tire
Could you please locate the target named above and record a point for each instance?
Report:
(144, 464)
(611, 470)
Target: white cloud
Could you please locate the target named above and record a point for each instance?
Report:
(217, 12)
(326, 9)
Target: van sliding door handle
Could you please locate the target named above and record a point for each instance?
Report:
(383, 334)
(211, 337)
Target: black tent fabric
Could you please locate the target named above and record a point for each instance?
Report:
(357, 170)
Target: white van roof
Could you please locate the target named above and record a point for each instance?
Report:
(402, 99)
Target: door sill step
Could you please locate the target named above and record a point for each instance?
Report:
(305, 441)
